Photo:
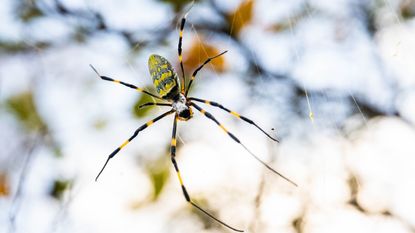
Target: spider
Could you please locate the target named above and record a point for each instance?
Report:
(175, 93)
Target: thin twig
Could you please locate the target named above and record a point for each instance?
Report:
(16, 202)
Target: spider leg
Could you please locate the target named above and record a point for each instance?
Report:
(215, 104)
(124, 83)
(141, 128)
(179, 48)
(153, 104)
(199, 68)
(211, 117)
(185, 193)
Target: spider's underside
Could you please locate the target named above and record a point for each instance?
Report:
(172, 91)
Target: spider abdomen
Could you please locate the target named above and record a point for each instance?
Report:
(164, 77)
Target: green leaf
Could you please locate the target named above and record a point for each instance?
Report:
(23, 107)
(158, 172)
(59, 187)
(142, 99)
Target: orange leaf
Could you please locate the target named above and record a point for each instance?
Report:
(241, 16)
(198, 54)
(4, 186)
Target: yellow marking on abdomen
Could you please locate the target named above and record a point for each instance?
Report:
(149, 123)
(173, 142)
(164, 76)
(180, 58)
(181, 33)
(116, 81)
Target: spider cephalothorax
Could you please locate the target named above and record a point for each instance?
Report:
(182, 108)
(173, 92)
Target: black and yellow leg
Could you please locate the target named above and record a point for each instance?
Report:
(211, 117)
(185, 193)
(199, 68)
(182, 23)
(153, 104)
(125, 84)
(141, 128)
(215, 104)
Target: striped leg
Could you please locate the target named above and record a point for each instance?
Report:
(125, 84)
(185, 193)
(141, 128)
(182, 23)
(211, 117)
(153, 104)
(215, 104)
(199, 68)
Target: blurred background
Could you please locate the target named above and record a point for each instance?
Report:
(334, 80)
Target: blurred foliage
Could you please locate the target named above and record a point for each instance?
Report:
(178, 4)
(158, 172)
(290, 22)
(59, 187)
(12, 47)
(298, 224)
(23, 107)
(241, 17)
(208, 222)
(407, 9)
(52, 144)
(100, 124)
(4, 185)
(80, 35)
(201, 51)
(142, 99)
(353, 184)
(20, 46)
(28, 12)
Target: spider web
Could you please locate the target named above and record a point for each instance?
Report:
(306, 122)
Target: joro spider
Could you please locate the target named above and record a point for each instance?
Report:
(170, 90)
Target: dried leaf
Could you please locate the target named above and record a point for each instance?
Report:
(4, 185)
(241, 17)
(198, 54)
